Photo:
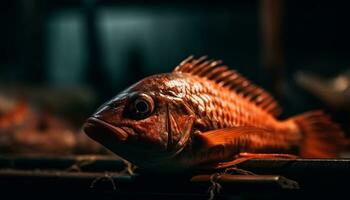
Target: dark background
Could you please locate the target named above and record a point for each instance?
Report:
(105, 45)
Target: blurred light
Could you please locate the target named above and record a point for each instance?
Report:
(66, 48)
(341, 83)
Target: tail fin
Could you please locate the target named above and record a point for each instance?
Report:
(322, 138)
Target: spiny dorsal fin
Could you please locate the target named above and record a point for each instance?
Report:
(221, 74)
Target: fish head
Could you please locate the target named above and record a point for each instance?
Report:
(141, 124)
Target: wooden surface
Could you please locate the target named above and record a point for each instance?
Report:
(92, 177)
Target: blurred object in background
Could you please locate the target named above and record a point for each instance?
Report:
(27, 129)
(334, 92)
(273, 58)
(12, 113)
(71, 103)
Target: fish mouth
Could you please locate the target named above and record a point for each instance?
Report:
(98, 129)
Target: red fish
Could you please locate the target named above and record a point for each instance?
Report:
(203, 114)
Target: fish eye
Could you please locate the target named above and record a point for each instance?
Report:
(141, 106)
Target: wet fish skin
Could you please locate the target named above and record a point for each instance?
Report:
(203, 113)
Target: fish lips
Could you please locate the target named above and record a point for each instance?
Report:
(102, 131)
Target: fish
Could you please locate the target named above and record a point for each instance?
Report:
(203, 115)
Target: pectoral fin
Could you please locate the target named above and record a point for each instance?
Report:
(231, 146)
(235, 137)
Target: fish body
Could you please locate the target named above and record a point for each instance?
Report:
(203, 114)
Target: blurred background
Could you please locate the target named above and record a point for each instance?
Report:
(61, 59)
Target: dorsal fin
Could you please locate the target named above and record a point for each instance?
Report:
(221, 74)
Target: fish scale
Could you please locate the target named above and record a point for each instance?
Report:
(236, 111)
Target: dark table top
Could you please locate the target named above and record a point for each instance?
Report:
(105, 177)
